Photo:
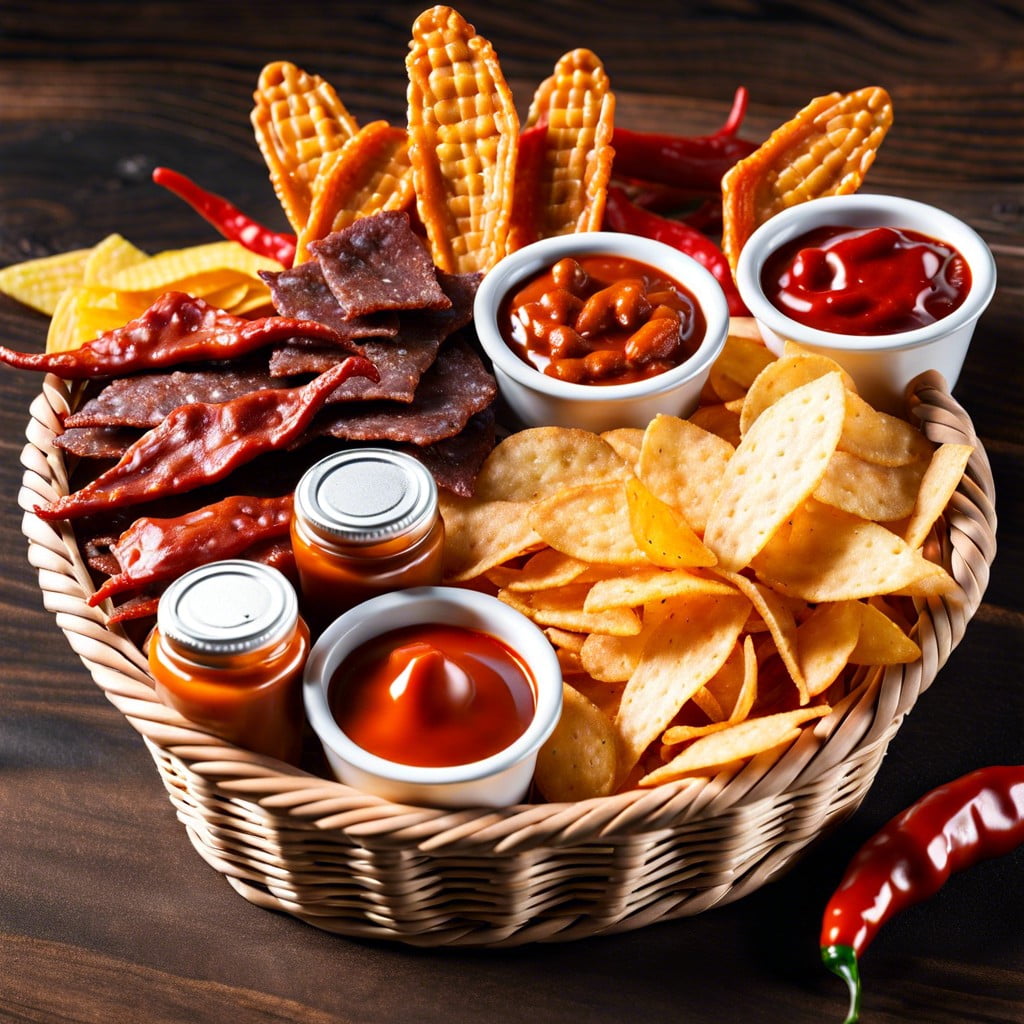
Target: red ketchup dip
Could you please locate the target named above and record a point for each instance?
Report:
(600, 319)
(433, 695)
(866, 281)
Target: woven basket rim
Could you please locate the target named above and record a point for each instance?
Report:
(868, 717)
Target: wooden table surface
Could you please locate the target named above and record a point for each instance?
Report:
(106, 912)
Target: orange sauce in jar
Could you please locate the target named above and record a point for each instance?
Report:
(228, 653)
(365, 522)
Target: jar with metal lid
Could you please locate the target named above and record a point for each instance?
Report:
(365, 521)
(228, 653)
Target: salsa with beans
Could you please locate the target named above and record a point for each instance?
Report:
(598, 319)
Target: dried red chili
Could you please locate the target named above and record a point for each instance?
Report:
(201, 443)
(177, 328)
(153, 550)
(228, 219)
(622, 215)
(693, 163)
(971, 819)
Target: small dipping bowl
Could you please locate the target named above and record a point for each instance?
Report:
(499, 780)
(882, 365)
(538, 399)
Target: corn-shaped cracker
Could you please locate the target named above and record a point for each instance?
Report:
(565, 153)
(826, 149)
(463, 133)
(298, 119)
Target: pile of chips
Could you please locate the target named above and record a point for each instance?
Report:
(710, 584)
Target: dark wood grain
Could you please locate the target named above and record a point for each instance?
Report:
(106, 912)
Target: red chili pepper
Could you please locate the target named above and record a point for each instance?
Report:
(971, 819)
(152, 550)
(228, 219)
(201, 443)
(622, 215)
(177, 328)
(687, 162)
(527, 215)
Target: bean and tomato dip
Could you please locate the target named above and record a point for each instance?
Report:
(863, 281)
(599, 319)
(433, 695)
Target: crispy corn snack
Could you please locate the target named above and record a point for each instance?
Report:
(562, 175)
(463, 132)
(298, 119)
(826, 149)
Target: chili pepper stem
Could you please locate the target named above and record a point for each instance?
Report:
(842, 961)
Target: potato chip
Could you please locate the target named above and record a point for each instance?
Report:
(826, 149)
(742, 740)
(742, 358)
(824, 554)
(543, 570)
(589, 522)
(563, 607)
(626, 441)
(39, 283)
(878, 437)
(109, 256)
(683, 465)
(870, 490)
(194, 269)
(578, 760)
(680, 656)
(612, 659)
(482, 534)
(881, 641)
(824, 643)
(564, 639)
(779, 462)
(463, 138)
(645, 586)
(539, 461)
(938, 485)
(661, 533)
(719, 419)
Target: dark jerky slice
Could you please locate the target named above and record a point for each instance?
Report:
(452, 390)
(455, 462)
(378, 263)
(97, 442)
(143, 401)
(304, 288)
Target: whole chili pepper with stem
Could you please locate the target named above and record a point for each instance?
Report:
(971, 819)
(177, 328)
(228, 219)
(201, 443)
(694, 163)
(622, 215)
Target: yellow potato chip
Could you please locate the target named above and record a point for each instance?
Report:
(539, 461)
(680, 656)
(824, 554)
(109, 256)
(547, 568)
(881, 641)
(212, 265)
(938, 485)
(661, 533)
(741, 740)
(824, 642)
(578, 760)
(564, 639)
(878, 437)
(719, 419)
(870, 490)
(39, 283)
(482, 534)
(563, 607)
(645, 586)
(779, 462)
(64, 332)
(626, 441)
(589, 522)
(683, 465)
(612, 659)
(742, 358)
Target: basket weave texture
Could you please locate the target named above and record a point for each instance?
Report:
(354, 864)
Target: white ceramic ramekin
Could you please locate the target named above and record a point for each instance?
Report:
(496, 781)
(539, 400)
(881, 365)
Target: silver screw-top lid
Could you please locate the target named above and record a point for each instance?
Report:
(365, 496)
(228, 607)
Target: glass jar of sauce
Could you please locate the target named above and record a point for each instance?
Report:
(365, 521)
(228, 653)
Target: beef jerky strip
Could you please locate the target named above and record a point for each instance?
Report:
(452, 390)
(176, 329)
(201, 443)
(152, 550)
(377, 263)
(302, 292)
(455, 462)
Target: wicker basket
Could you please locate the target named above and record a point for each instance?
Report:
(354, 864)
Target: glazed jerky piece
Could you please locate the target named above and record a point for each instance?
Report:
(200, 444)
(377, 263)
(176, 329)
